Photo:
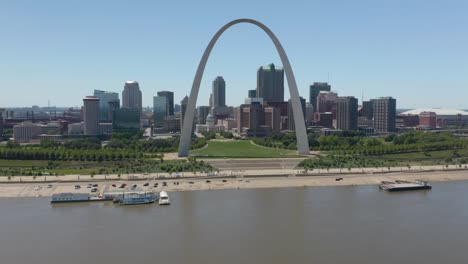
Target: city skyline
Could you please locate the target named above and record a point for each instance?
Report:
(404, 53)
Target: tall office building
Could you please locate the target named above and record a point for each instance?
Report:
(314, 91)
(367, 111)
(131, 96)
(291, 124)
(249, 118)
(170, 101)
(91, 115)
(219, 92)
(1, 123)
(309, 117)
(160, 110)
(273, 118)
(104, 99)
(270, 83)
(384, 110)
(126, 120)
(202, 113)
(347, 113)
(326, 102)
(113, 105)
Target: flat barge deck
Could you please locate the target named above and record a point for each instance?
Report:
(405, 186)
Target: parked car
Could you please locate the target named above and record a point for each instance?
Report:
(146, 184)
(164, 183)
(94, 189)
(114, 185)
(77, 187)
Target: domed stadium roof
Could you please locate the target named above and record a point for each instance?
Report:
(438, 111)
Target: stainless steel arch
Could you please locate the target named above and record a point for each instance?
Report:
(301, 134)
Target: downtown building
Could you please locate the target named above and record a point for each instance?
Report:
(384, 114)
(428, 120)
(327, 102)
(170, 101)
(183, 109)
(105, 98)
(272, 118)
(131, 96)
(91, 115)
(250, 120)
(314, 91)
(219, 92)
(202, 113)
(218, 97)
(126, 121)
(2, 123)
(160, 110)
(270, 83)
(347, 113)
(25, 132)
(113, 105)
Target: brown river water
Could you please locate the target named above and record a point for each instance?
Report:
(286, 225)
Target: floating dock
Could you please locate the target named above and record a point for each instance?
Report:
(399, 186)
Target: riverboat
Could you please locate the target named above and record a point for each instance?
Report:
(75, 197)
(405, 186)
(137, 198)
(164, 198)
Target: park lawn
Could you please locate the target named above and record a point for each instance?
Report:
(241, 149)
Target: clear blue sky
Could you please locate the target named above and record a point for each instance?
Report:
(414, 50)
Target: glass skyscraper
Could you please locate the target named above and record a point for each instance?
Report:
(160, 110)
(104, 99)
(219, 92)
(126, 120)
(170, 101)
(270, 83)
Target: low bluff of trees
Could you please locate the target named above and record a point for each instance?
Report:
(131, 166)
(25, 153)
(212, 134)
(120, 147)
(332, 161)
(209, 135)
(226, 134)
(349, 142)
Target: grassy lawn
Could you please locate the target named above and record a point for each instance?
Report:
(240, 149)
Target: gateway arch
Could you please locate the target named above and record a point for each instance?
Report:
(301, 134)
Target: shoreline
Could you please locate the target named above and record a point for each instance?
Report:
(221, 183)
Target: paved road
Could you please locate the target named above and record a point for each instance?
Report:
(253, 164)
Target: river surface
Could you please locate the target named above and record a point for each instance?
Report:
(288, 225)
